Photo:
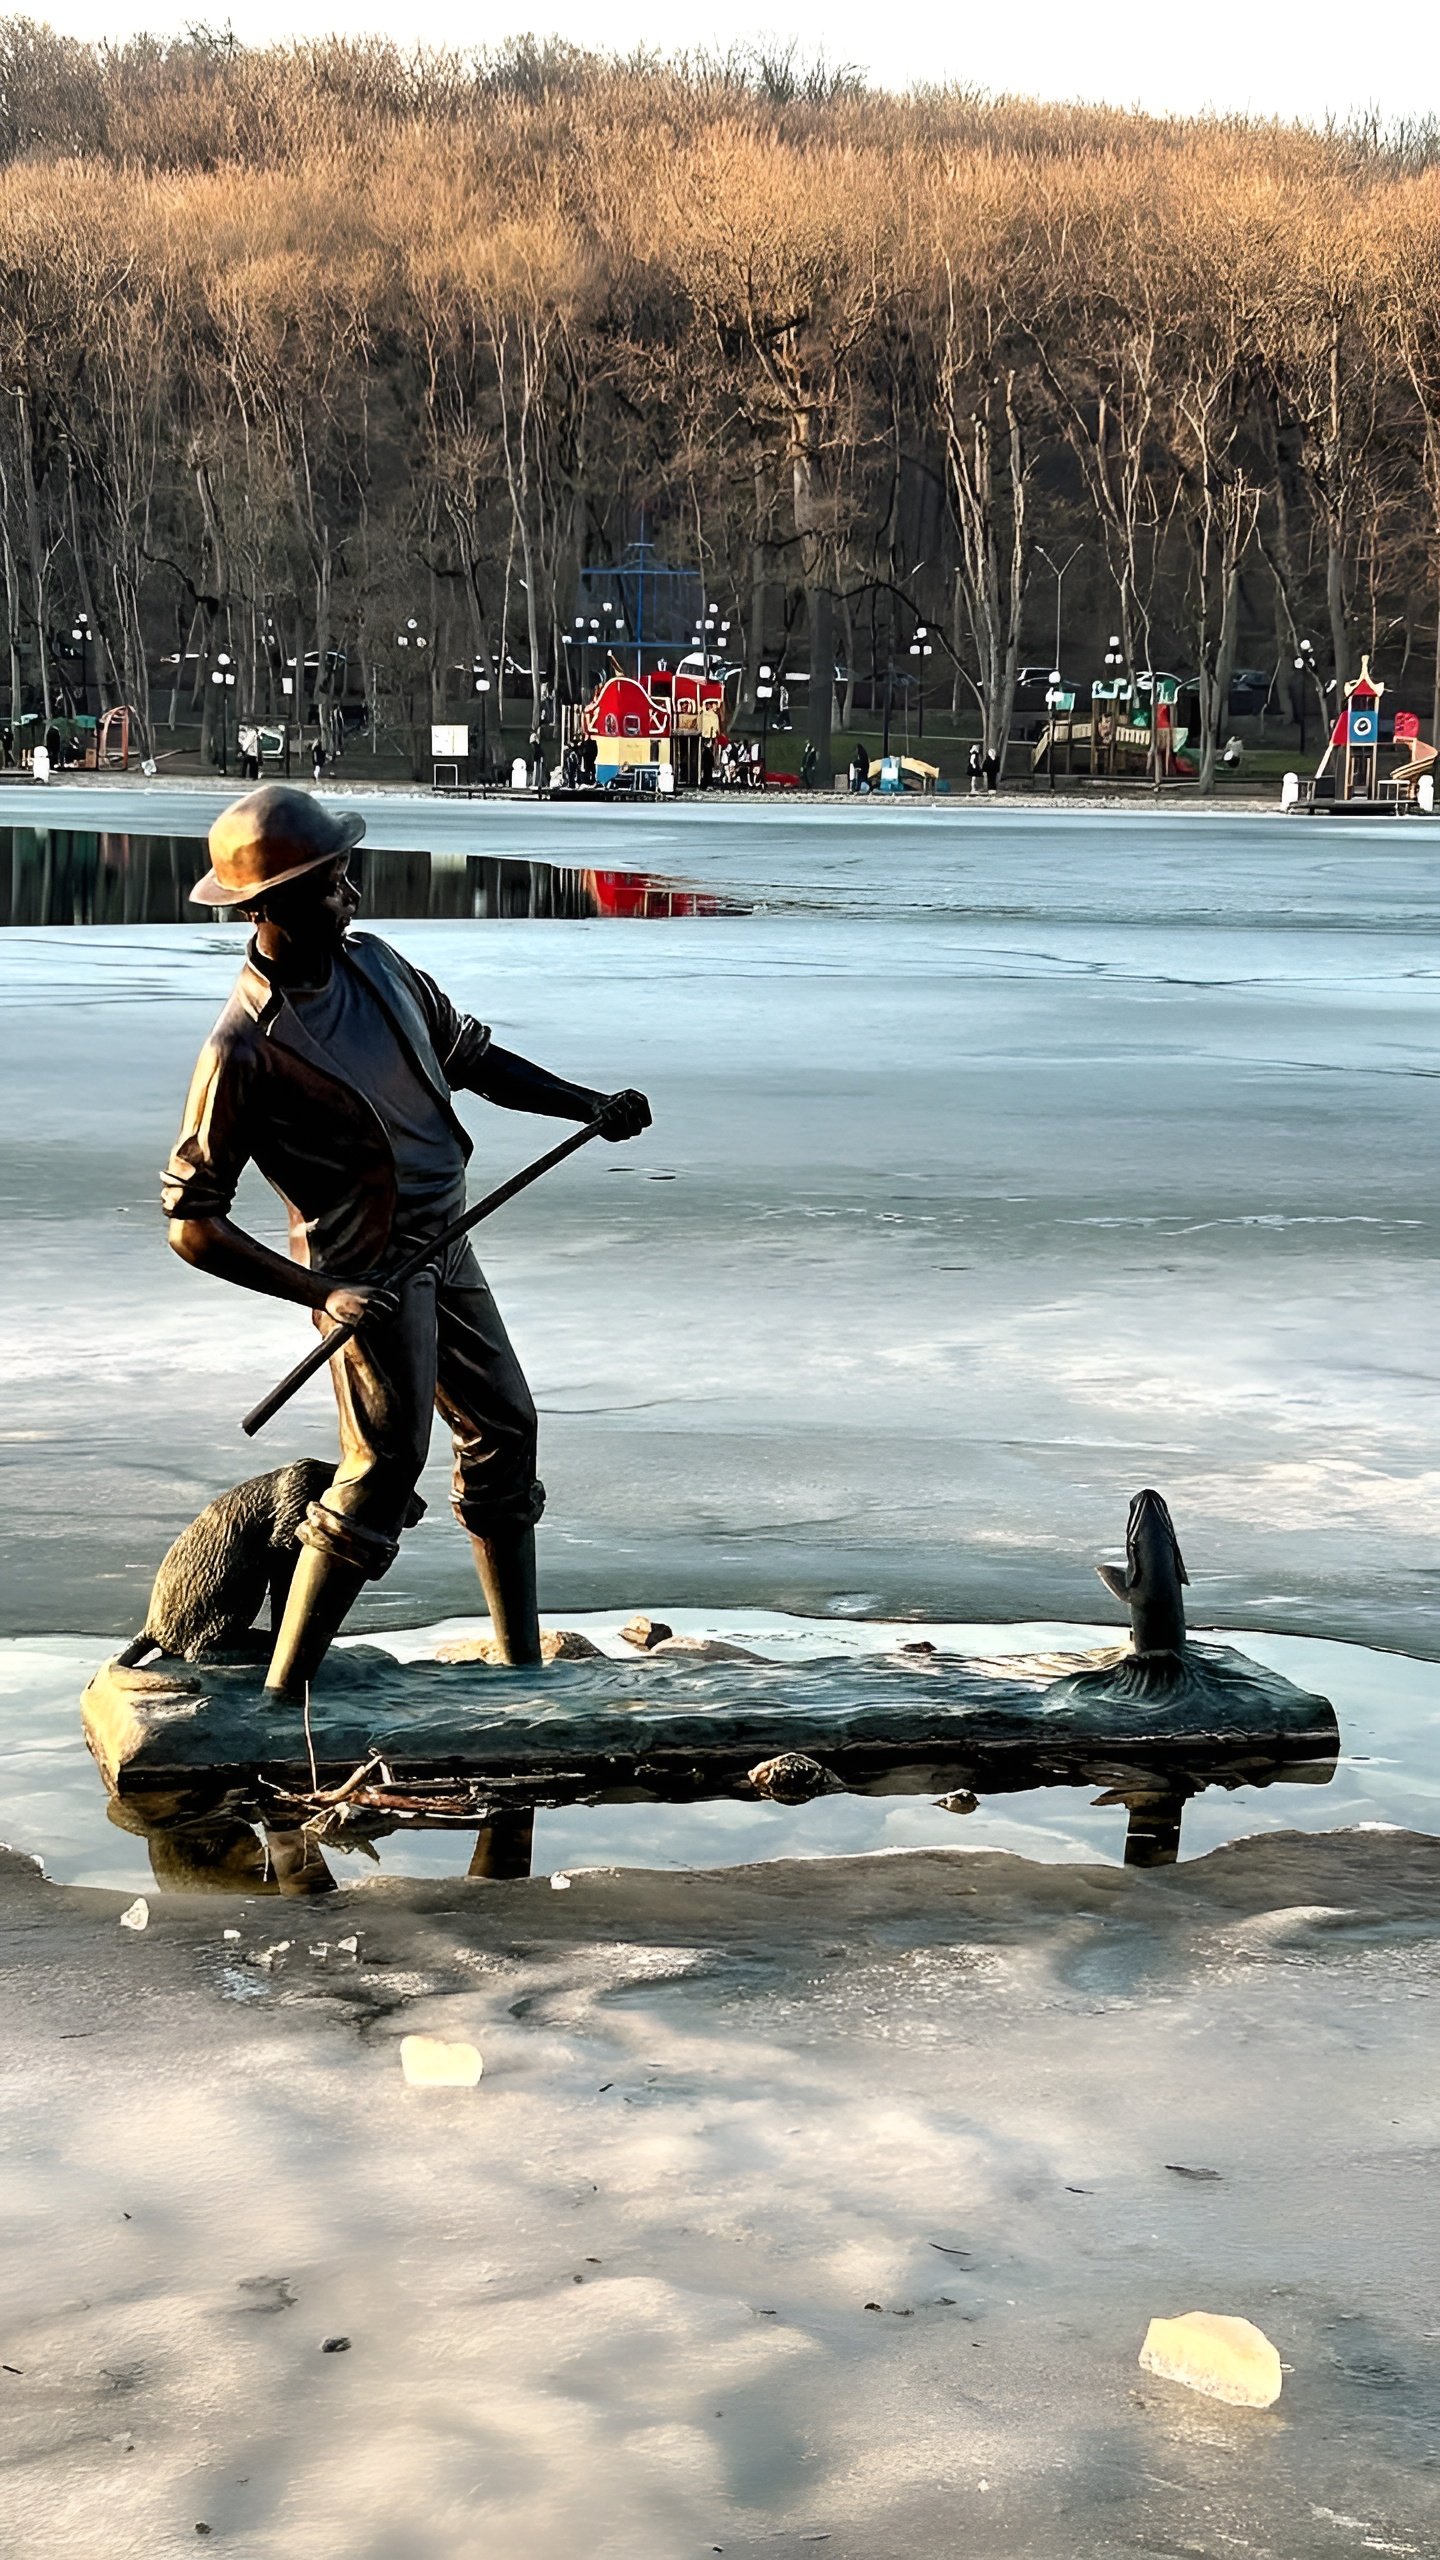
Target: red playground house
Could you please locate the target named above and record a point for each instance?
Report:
(657, 732)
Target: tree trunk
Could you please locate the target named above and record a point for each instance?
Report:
(1337, 605)
(39, 594)
(759, 565)
(820, 711)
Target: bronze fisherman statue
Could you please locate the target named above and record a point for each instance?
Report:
(332, 1069)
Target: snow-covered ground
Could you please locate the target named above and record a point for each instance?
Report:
(811, 2207)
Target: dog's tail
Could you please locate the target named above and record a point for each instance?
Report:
(140, 1650)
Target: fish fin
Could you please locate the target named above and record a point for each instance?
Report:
(1115, 1579)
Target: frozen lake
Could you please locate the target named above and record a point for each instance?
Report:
(1003, 1162)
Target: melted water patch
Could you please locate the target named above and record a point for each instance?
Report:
(53, 1806)
(74, 876)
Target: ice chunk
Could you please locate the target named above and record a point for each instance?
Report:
(1228, 2359)
(138, 1915)
(433, 2062)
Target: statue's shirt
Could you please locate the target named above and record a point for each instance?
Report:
(266, 1091)
(346, 1020)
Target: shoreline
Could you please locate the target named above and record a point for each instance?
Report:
(733, 804)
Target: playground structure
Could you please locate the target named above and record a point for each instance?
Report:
(892, 774)
(657, 731)
(85, 743)
(1131, 729)
(1347, 782)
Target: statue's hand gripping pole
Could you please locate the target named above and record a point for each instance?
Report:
(266, 1410)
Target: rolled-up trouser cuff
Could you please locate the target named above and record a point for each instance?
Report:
(370, 1551)
(484, 1515)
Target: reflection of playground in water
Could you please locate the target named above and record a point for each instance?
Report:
(63, 876)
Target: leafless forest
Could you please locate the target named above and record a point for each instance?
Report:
(300, 344)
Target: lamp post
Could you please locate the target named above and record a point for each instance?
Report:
(81, 632)
(765, 694)
(1114, 661)
(1305, 668)
(223, 674)
(1052, 704)
(413, 640)
(921, 649)
(1057, 569)
(711, 635)
(483, 680)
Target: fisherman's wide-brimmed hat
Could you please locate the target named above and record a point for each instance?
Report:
(271, 836)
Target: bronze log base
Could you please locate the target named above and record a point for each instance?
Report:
(456, 1745)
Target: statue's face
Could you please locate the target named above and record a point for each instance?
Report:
(315, 913)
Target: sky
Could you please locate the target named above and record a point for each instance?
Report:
(1307, 61)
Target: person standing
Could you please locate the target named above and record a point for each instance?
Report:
(991, 763)
(976, 764)
(332, 1069)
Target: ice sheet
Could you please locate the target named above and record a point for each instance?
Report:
(952, 1230)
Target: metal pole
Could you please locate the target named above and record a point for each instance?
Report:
(416, 1261)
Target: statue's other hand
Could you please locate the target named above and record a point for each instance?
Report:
(361, 1303)
(625, 1115)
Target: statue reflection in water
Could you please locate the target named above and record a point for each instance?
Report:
(224, 1852)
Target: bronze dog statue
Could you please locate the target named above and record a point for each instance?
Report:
(237, 1552)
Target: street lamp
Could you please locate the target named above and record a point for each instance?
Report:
(412, 637)
(1057, 569)
(481, 672)
(1114, 661)
(1305, 667)
(765, 693)
(223, 674)
(81, 632)
(1053, 694)
(920, 648)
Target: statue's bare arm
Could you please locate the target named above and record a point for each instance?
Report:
(516, 1084)
(218, 1246)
